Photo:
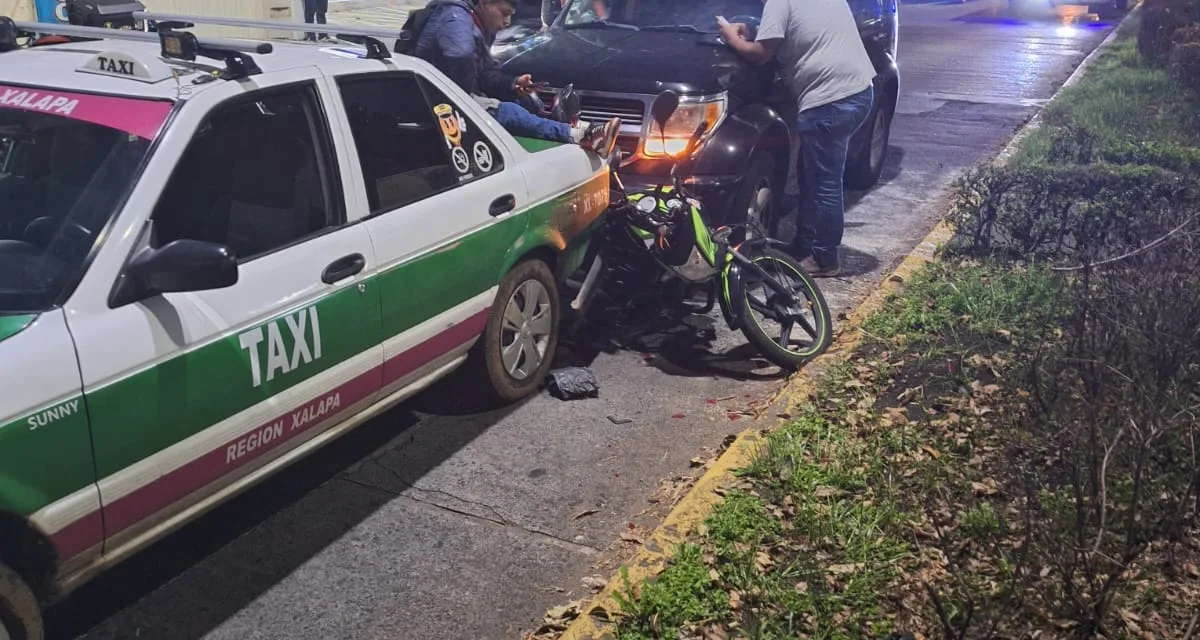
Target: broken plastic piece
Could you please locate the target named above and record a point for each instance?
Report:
(573, 383)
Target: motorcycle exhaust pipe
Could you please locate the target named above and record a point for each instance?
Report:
(589, 283)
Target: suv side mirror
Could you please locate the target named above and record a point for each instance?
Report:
(182, 265)
(664, 107)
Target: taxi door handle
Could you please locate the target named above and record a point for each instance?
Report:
(502, 205)
(343, 268)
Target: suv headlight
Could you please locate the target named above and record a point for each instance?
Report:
(681, 126)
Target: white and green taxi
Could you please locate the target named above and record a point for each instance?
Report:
(210, 269)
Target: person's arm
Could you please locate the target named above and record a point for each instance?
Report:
(756, 51)
(771, 31)
(456, 42)
(497, 83)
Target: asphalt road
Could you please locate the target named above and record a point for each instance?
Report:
(438, 522)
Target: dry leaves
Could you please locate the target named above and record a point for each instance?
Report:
(987, 487)
(559, 618)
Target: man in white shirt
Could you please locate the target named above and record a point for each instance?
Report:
(826, 66)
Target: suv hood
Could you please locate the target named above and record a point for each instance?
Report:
(625, 61)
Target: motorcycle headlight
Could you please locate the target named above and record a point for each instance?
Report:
(681, 126)
(646, 204)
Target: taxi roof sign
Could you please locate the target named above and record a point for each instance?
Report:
(119, 64)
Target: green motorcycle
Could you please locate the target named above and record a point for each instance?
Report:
(659, 235)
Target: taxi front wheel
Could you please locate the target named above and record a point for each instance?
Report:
(521, 336)
(20, 615)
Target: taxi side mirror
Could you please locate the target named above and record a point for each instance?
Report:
(179, 266)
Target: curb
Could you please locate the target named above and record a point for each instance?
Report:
(698, 503)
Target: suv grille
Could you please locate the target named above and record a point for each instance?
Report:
(599, 108)
(631, 111)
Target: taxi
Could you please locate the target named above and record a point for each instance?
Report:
(218, 256)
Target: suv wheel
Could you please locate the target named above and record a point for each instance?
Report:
(755, 203)
(521, 336)
(20, 615)
(865, 168)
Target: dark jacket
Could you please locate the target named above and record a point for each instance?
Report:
(453, 42)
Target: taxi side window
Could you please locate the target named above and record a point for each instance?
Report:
(258, 176)
(478, 154)
(409, 147)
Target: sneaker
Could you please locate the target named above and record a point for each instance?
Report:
(815, 270)
(600, 137)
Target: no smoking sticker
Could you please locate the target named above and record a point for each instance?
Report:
(483, 156)
(461, 163)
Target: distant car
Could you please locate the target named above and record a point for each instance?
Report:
(619, 64)
(206, 274)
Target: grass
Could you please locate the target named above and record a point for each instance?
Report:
(820, 536)
(984, 297)
(1136, 113)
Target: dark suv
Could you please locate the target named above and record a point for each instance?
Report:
(621, 53)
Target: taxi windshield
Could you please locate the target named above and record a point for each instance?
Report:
(67, 162)
(664, 15)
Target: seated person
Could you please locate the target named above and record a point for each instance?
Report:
(457, 38)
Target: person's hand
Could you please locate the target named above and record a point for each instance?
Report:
(734, 30)
(524, 85)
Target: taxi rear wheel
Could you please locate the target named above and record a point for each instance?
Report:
(521, 337)
(20, 615)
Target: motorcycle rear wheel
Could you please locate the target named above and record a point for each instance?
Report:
(763, 309)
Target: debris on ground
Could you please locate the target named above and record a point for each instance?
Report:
(558, 618)
(573, 383)
(616, 420)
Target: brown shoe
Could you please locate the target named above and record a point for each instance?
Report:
(602, 137)
(815, 270)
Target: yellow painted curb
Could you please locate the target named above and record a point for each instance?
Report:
(595, 621)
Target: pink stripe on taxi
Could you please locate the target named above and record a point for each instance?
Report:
(142, 118)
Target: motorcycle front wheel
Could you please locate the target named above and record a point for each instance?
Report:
(788, 331)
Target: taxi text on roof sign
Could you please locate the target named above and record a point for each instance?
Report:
(119, 64)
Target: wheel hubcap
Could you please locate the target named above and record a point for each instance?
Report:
(878, 139)
(760, 206)
(525, 332)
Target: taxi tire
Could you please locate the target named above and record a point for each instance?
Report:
(498, 384)
(20, 614)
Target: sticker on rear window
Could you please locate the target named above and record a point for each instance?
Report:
(139, 117)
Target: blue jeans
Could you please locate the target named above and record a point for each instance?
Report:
(518, 121)
(825, 133)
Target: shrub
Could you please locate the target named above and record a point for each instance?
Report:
(1185, 58)
(1112, 415)
(1159, 21)
(1071, 144)
(1064, 213)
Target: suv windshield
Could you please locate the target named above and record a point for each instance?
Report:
(666, 15)
(67, 161)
